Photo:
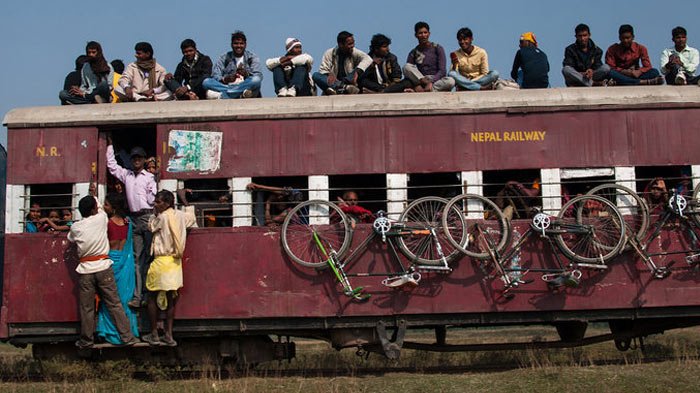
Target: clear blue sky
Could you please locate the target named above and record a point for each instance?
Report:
(41, 39)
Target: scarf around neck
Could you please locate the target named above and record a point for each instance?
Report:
(150, 67)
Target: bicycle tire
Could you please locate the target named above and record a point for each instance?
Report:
(298, 230)
(636, 213)
(607, 235)
(473, 209)
(695, 206)
(426, 213)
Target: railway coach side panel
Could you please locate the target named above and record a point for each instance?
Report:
(242, 274)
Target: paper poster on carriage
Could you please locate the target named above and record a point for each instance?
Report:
(194, 151)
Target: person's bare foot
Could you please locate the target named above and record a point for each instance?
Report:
(419, 89)
(408, 90)
(428, 87)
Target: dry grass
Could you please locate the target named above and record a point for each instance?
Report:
(580, 369)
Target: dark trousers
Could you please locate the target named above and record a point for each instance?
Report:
(397, 87)
(101, 283)
(142, 249)
(102, 90)
(673, 72)
(625, 80)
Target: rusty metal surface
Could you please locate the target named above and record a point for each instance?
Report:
(58, 155)
(242, 274)
(423, 144)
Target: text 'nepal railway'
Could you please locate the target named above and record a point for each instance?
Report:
(353, 219)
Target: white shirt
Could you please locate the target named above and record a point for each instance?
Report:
(689, 57)
(90, 235)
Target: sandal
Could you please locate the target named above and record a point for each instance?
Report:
(168, 342)
(151, 339)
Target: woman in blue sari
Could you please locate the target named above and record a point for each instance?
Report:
(119, 232)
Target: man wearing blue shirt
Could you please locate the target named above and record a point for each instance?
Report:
(237, 74)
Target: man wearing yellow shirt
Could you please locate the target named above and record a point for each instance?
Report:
(118, 67)
(470, 64)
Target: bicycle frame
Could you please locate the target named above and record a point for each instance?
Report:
(674, 211)
(388, 234)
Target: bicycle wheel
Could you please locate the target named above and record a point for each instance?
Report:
(694, 205)
(425, 214)
(633, 208)
(314, 229)
(591, 229)
(486, 227)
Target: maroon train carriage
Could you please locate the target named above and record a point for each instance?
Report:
(241, 289)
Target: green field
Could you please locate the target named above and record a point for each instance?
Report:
(669, 363)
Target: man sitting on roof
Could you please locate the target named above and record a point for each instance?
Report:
(583, 64)
(533, 62)
(144, 79)
(426, 64)
(679, 63)
(624, 59)
(291, 72)
(95, 79)
(470, 64)
(237, 73)
(189, 75)
(341, 67)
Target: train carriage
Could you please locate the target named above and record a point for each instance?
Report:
(240, 287)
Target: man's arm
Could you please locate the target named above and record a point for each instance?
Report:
(254, 64)
(693, 61)
(611, 60)
(442, 64)
(326, 62)
(484, 65)
(197, 81)
(217, 72)
(303, 59)
(362, 59)
(569, 57)
(114, 168)
(597, 58)
(644, 56)
(517, 61)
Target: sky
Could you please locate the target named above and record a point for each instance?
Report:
(41, 39)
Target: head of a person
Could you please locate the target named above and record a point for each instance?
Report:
(346, 42)
(34, 212)
(626, 34)
(465, 37)
(138, 159)
(292, 46)
(144, 51)
(658, 189)
(150, 165)
(164, 201)
(350, 197)
(679, 36)
(93, 49)
(115, 205)
(422, 32)
(238, 43)
(66, 215)
(80, 60)
(118, 187)
(54, 216)
(87, 206)
(189, 49)
(528, 39)
(379, 46)
(117, 66)
(583, 34)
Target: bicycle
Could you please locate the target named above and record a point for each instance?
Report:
(587, 231)
(318, 234)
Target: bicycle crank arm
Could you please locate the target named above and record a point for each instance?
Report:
(441, 269)
(598, 266)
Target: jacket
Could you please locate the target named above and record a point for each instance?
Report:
(329, 62)
(134, 77)
(195, 75)
(574, 57)
(389, 69)
(226, 65)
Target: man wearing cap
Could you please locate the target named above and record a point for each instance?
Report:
(470, 64)
(530, 66)
(237, 74)
(140, 187)
(291, 72)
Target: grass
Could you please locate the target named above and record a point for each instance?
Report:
(586, 369)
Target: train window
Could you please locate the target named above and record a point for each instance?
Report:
(212, 201)
(516, 192)
(668, 178)
(369, 189)
(273, 196)
(52, 201)
(580, 181)
(443, 184)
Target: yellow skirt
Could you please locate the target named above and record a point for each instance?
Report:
(164, 274)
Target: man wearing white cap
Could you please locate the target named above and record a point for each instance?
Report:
(291, 72)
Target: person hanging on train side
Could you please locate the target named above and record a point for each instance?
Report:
(140, 188)
(169, 228)
(95, 273)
